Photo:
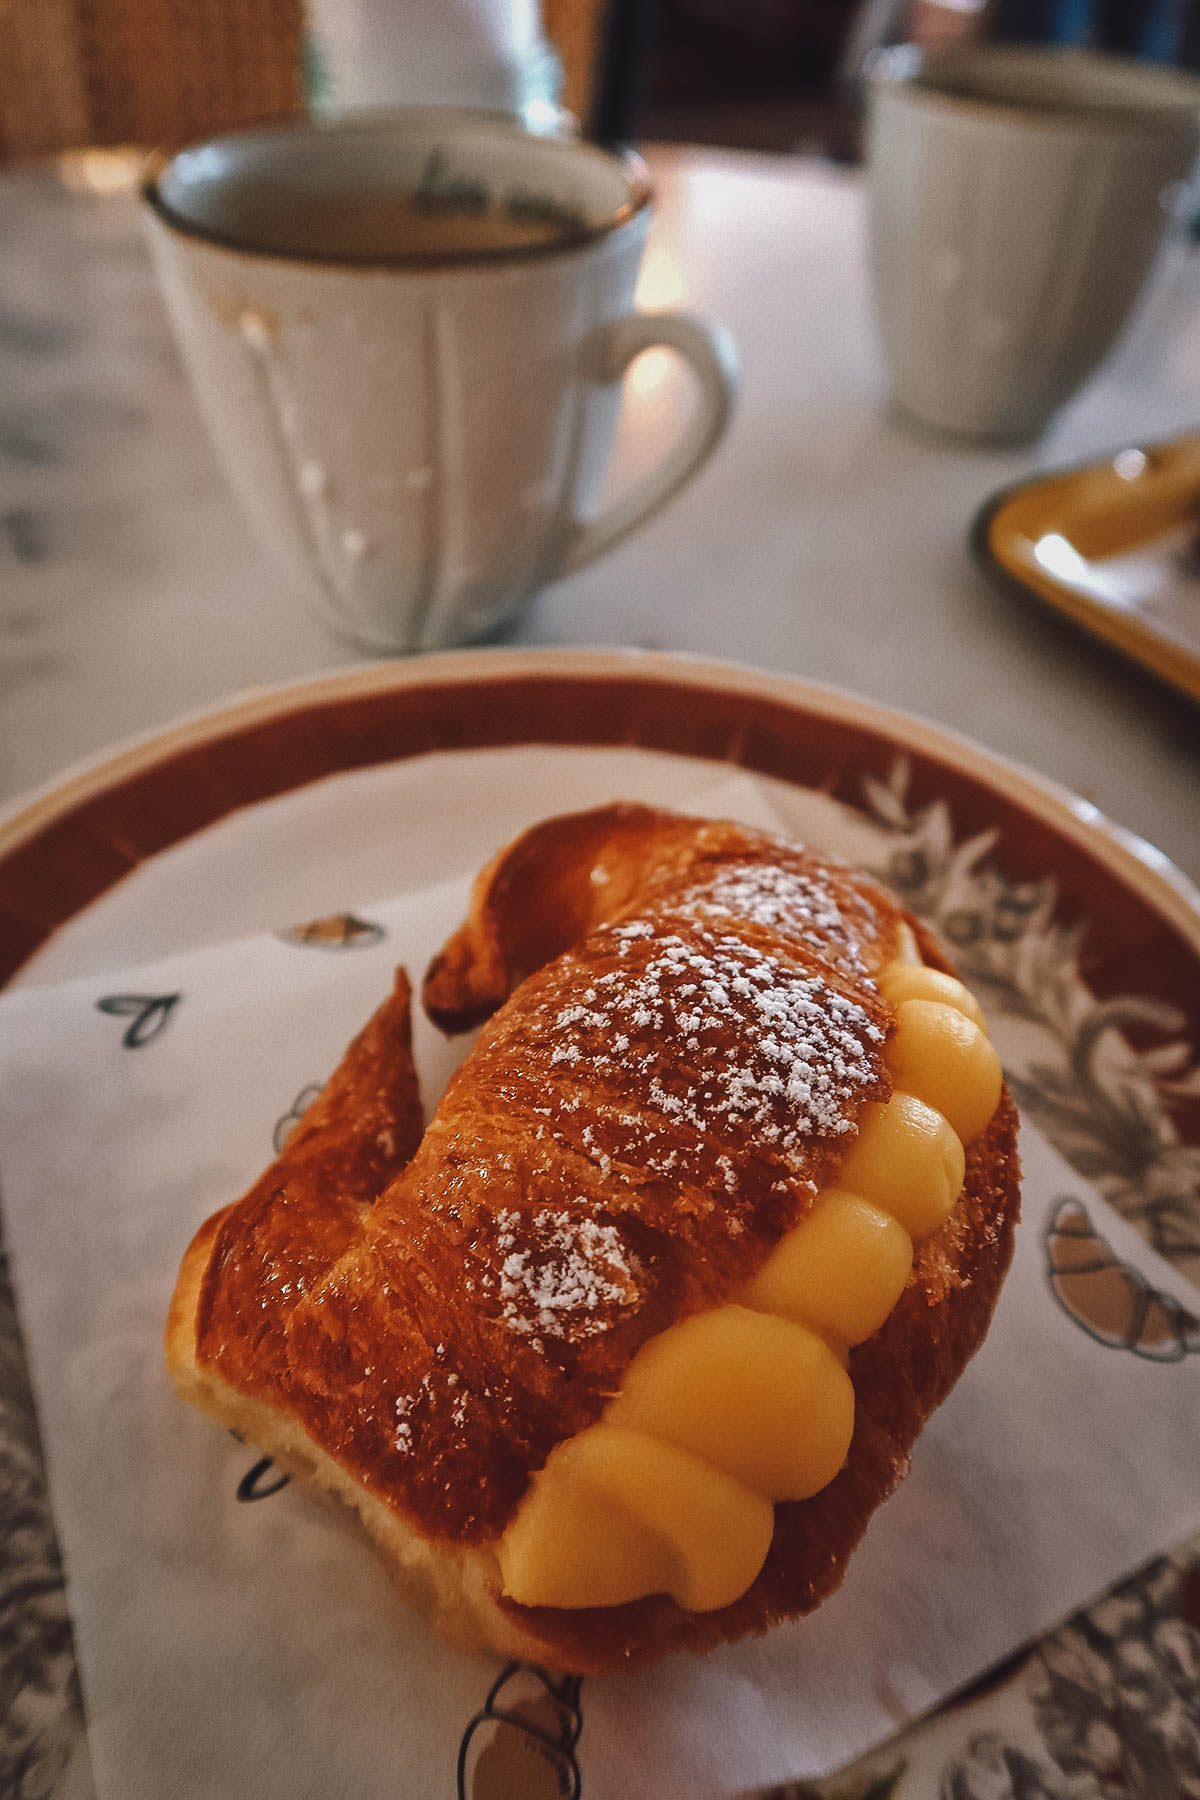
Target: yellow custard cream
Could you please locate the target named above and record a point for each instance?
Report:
(734, 1409)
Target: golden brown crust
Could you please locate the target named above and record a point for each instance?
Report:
(540, 895)
(262, 1256)
(633, 1133)
(544, 893)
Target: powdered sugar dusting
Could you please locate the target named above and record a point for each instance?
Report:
(404, 1435)
(723, 1032)
(567, 1276)
(440, 1389)
(780, 899)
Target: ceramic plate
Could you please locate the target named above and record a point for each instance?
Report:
(309, 801)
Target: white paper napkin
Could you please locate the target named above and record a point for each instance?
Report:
(254, 1646)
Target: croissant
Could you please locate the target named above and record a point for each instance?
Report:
(619, 1355)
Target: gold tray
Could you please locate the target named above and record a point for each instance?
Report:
(1115, 547)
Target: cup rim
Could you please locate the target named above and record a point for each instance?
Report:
(899, 74)
(640, 195)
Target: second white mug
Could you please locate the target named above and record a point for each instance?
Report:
(1017, 200)
(407, 332)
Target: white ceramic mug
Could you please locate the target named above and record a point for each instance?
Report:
(416, 427)
(1017, 200)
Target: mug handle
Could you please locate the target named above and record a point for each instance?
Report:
(712, 353)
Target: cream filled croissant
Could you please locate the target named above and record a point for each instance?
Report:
(622, 1353)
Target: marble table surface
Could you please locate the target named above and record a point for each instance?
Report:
(824, 539)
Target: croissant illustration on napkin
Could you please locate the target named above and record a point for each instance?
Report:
(334, 931)
(1109, 1299)
(621, 1352)
(521, 1745)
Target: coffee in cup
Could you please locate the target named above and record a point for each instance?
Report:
(407, 332)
